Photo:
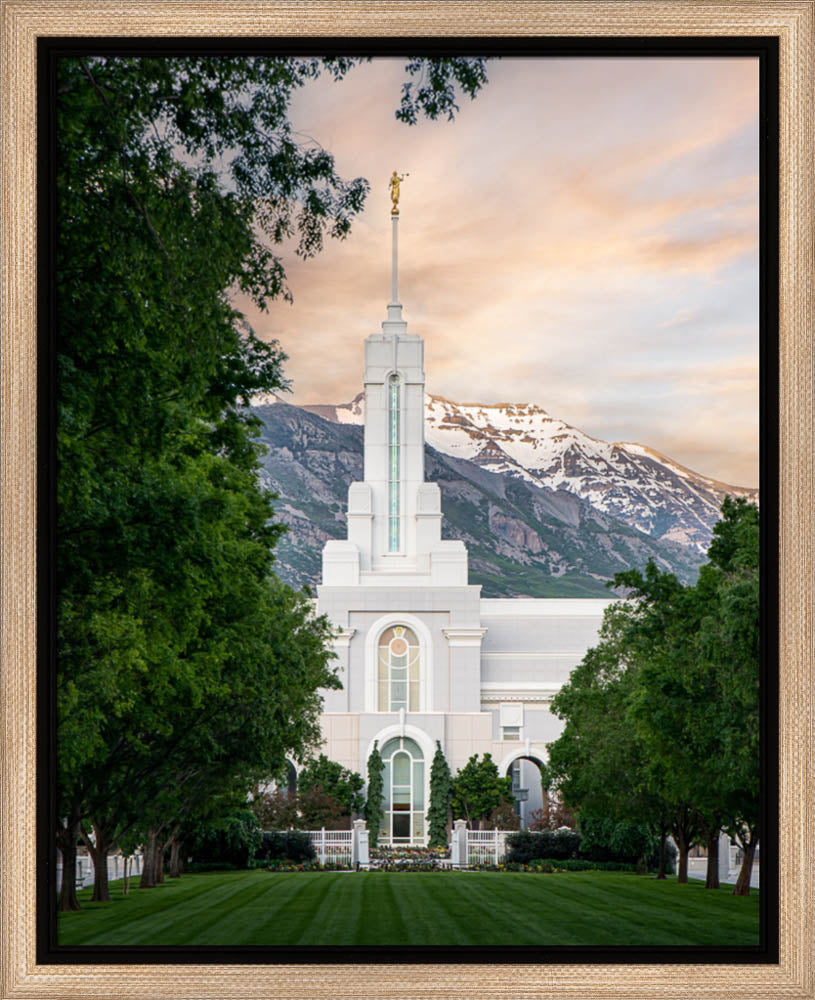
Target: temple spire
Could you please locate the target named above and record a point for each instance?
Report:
(394, 306)
(395, 262)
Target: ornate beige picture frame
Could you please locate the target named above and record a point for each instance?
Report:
(22, 22)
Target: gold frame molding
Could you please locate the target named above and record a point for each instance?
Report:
(21, 22)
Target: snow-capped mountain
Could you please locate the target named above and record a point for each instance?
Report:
(523, 539)
(628, 481)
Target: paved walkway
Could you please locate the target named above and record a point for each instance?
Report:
(697, 867)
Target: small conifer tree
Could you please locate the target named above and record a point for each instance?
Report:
(375, 799)
(440, 791)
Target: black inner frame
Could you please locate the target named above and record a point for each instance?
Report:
(49, 50)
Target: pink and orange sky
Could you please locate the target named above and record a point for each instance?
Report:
(584, 236)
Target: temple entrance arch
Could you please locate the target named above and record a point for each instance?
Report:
(525, 766)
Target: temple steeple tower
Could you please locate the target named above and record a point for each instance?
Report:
(394, 516)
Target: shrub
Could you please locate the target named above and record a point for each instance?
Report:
(231, 841)
(293, 845)
(582, 865)
(526, 846)
(504, 817)
(478, 789)
(600, 842)
(287, 865)
(208, 866)
(605, 840)
(335, 780)
(309, 810)
(374, 803)
(553, 816)
(275, 810)
(441, 787)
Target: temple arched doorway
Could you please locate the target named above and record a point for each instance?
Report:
(526, 766)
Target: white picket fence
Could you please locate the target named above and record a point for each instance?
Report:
(486, 847)
(476, 847)
(333, 846)
(84, 874)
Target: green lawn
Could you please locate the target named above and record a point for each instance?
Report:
(462, 908)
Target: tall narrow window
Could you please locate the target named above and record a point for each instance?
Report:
(393, 464)
(403, 774)
(398, 676)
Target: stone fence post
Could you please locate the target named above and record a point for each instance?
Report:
(359, 845)
(458, 854)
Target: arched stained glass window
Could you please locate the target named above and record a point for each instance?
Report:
(398, 670)
(403, 785)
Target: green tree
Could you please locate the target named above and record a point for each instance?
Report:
(667, 701)
(478, 790)
(730, 638)
(662, 715)
(440, 793)
(335, 780)
(177, 180)
(598, 763)
(375, 798)
(232, 839)
(315, 808)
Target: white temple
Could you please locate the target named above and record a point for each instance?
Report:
(422, 657)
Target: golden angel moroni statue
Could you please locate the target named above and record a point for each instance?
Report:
(393, 184)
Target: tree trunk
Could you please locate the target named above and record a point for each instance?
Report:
(66, 841)
(662, 835)
(683, 834)
(683, 846)
(546, 810)
(159, 872)
(742, 887)
(99, 855)
(175, 858)
(125, 865)
(148, 872)
(712, 875)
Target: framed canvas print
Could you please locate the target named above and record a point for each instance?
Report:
(384, 598)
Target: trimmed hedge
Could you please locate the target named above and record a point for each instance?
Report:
(291, 845)
(525, 846)
(209, 866)
(560, 846)
(228, 843)
(582, 865)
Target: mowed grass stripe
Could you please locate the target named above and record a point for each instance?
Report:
(563, 920)
(621, 903)
(175, 912)
(333, 900)
(472, 908)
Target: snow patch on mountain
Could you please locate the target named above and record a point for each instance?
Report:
(631, 481)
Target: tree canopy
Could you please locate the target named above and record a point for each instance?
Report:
(661, 716)
(184, 667)
(478, 790)
(335, 780)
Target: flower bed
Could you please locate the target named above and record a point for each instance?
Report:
(286, 865)
(426, 859)
(548, 865)
(407, 859)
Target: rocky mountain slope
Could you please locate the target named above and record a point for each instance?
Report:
(524, 537)
(646, 490)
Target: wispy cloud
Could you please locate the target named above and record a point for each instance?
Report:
(584, 235)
